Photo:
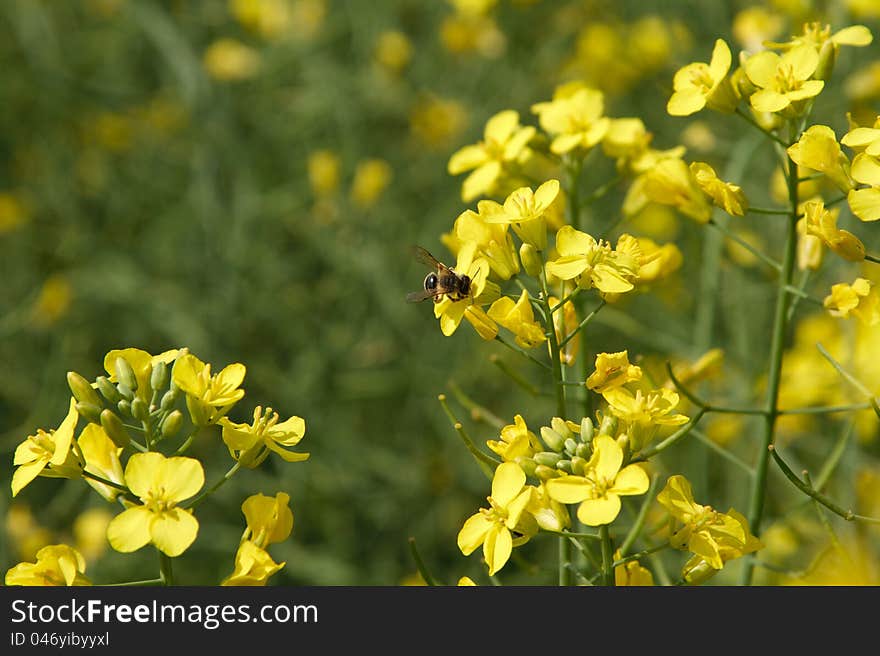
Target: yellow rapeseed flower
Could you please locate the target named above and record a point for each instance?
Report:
(393, 51)
(592, 263)
(658, 261)
(208, 397)
(574, 117)
(519, 318)
(700, 85)
(726, 195)
(671, 182)
(822, 223)
(493, 528)
(53, 454)
(160, 484)
(371, 178)
(250, 444)
(13, 212)
(599, 490)
(493, 241)
(818, 150)
(101, 457)
(504, 141)
(482, 292)
(253, 566)
(524, 210)
(517, 441)
(323, 172)
(859, 299)
(644, 412)
(865, 203)
(230, 60)
(56, 565)
(783, 80)
(269, 519)
(612, 370)
(631, 573)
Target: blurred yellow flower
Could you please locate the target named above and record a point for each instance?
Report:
(229, 60)
(160, 484)
(307, 17)
(323, 171)
(90, 532)
(504, 141)
(53, 301)
(818, 150)
(253, 566)
(671, 182)
(24, 535)
(726, 195)
(863, 84)
(754, 25)
(393, 51)
(631, 573)
(13, 212)
(268, 18)
(599, 490)
(612, 370)
(700, 85)
(371, 178)
(436, 122)
(519, 318)
(466, 32)
(492, 527)
(658, 261)
(56, 565)
(859, 299)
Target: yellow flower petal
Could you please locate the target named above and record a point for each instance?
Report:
(632, 479)
(467, 158)
(181, 478)
(130, 529)
(473, 533)
(507, 482)
(497, 548)
(27, 473)
(768, 100)
(173, 531)
(598, 512)
(142, 471)
(569, 489)
(866, 169)
(854, 35)
(865, 203)
(685, 102)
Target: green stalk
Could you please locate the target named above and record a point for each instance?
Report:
(777, 348)
(165, 571)
(607, 556)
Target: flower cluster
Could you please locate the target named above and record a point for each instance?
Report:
(131, 450)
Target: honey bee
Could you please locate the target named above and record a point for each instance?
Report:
(443, 281)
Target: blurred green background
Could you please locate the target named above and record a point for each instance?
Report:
(245, 178)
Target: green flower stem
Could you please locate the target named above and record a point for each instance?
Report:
(601, 192)
(768, 210)
(572, 534)
(216, 486)
(872, 258)
(486, 463)
(640, 555)
(166, 573)
(825, 409)
(774, 376)
(581, 326)
(555, 362)
(797, 291)
(807, 489)
(742, 114)
(637, 526)
(515, 376)
(565, 300)
(478, 412)
(672, 439)
(572, 189)
(823, 518)
(523, 353)
(420, 564)
(834, 457)
(742, 242)
(607, 556)
(100, 479)
(186, 443)
(852, 380)
(835, 201)
(801, 286)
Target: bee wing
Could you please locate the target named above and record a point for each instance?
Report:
(415, 297)
(427, 259)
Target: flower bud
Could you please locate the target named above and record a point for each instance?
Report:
(159, 376)
(561, 427)
(547, 458)
(531, 262)
(112, 425)
(570, 446)
(81, 389)
(125, 391)
(168, 400)
(565, 465)
(89, 412)
(124, 407)
(827, 58)
(125, 374)
(577, 465)
(108, 391)
(546, 473)
(587, 430)
(172, 423)
(697, 571)
(139, 409)
(583, 451)
(551, 438)
(527, 465)
(608, 425)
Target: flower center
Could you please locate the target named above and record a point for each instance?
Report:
(785, 78)
(156, 502)
(701, 77)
